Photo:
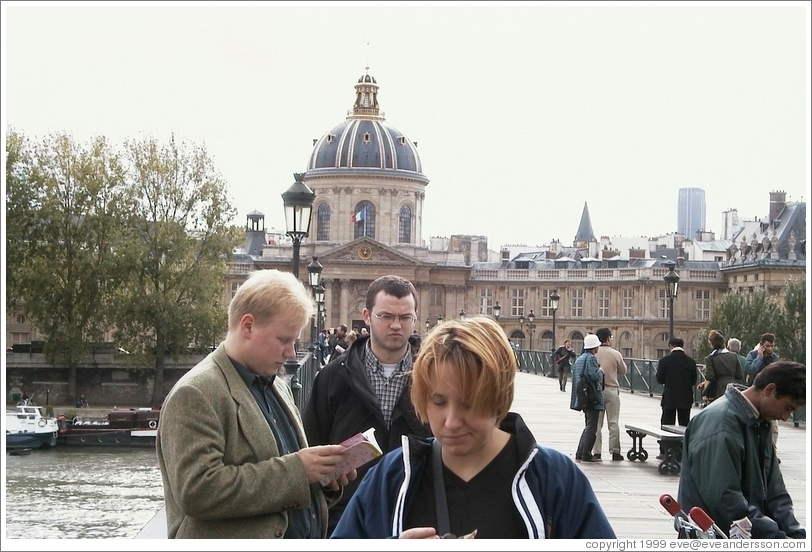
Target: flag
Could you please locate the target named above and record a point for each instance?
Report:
(360, 215)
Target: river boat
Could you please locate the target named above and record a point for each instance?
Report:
(131, 427)
(28, 428)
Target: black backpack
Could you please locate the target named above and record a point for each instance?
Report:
(587, 392)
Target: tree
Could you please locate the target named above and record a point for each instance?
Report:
(744, 315)
(747, 315)
(64, 204)
(790, 333)
(179, 243)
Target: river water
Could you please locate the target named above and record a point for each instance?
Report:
(81, 492)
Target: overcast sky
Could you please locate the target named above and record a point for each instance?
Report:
(522, 113)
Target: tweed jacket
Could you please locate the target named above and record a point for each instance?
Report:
(221, 470)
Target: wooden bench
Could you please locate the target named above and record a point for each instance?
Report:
(668, 436)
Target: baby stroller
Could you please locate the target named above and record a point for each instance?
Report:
(697, 524)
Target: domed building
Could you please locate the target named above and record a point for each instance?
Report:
(367, 220)
(367, 178)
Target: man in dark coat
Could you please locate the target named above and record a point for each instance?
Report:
(369, 384)
(678, 373)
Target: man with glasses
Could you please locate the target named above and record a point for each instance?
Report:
(369, 384)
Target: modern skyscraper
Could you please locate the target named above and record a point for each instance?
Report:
(691, 212)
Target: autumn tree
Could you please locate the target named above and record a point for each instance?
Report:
(178, 247)
(64, 207)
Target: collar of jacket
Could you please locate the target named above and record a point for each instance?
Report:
(733, 393)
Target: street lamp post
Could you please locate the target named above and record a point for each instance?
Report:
(671, 287)
(554, 298)
(314, 277)
(428, 325)
(462, 314)
(531, 318)
(521, 328)
(439, 319)
(497, 310)
(298, 200)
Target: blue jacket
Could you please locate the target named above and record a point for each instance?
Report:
(550, 492)
(754, 363)
(729, 469)
(586, 366)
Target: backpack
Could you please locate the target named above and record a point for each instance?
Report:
(587, 392)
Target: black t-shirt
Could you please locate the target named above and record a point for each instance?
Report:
(484, 503)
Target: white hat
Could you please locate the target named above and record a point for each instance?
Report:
(591, 341)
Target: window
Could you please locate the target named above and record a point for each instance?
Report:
(486, 301)
(577, 340)
(20, 337)
(517, 338)
(545, 303)
(517, 302)
(577, 303)
(366, 134)
(628, 294)
(547, 341)
(234, 287)
(703, 304)
(662, 310)
(20, 319)
(364, 220)
(661, 345)
(323, 223)
(405, 233)
(627, 352)
(603, 303)
(436, 296)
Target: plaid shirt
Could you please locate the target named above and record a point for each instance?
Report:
(388, 390)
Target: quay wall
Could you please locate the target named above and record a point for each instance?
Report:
(104, 379)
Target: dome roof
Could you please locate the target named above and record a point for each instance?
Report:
(365, 140)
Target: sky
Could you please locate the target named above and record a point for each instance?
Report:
(522, 112)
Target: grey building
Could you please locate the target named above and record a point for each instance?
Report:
(691, 212)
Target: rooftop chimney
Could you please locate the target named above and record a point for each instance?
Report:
(778, 200)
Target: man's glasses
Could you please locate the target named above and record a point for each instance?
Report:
(386, 318)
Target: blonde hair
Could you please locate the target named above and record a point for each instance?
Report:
(352, 336)
(473, 353)
(267, 293)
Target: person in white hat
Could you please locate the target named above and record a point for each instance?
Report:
(586, 366)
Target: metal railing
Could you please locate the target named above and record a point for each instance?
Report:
(641, 377)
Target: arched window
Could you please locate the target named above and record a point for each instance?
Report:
(405, 232)
(517, 339)
(547, 341)
(323, 223)
(661, 345)
(577, 339)
(363, 220)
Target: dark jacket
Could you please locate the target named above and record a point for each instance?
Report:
(723, 366)
(729, 469)
(562, 359)
(343, 403)
(552, 494)
(678, 373)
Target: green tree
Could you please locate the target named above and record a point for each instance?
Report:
(744, 315)
(790, 332)
(179, 244)
(64, 205)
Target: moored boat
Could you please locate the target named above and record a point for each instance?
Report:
(132, 427)
(28, 428)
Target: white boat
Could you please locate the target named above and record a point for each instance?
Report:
(27, 427)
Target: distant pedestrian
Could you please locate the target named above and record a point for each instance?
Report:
(735, 346)
(613, 366)
(721, 368)
(761, 356)
(562, 362)
(678, 374)
(586, 366)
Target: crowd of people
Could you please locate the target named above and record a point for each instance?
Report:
(248, 464)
